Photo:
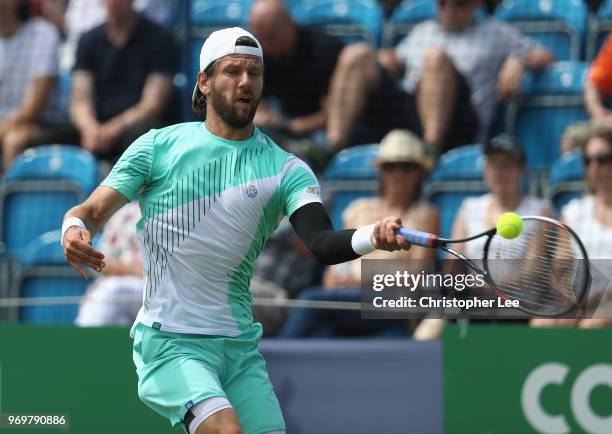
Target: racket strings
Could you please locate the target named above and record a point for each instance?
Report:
(539, 268)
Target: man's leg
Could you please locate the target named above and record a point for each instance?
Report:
(356, 74)
(223, 421)
(436, 95)
(248, 386)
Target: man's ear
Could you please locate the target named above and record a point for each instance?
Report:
(204, 83)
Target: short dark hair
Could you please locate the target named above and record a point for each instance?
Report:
(199, 101)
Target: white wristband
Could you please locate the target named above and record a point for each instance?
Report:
(362, 240)
(68, 223)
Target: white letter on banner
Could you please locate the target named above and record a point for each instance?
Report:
(549, 373)
(584, 385)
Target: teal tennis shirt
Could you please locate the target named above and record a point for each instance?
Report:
(208, 206)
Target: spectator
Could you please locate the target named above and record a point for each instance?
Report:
(84, 15)
(598, 87)
(453, 70)
(51, 10)
(116, 295)
(577, 135)
(503, 172)
(404, 163)
(591, 218)
(299, 64)
(122, 80)
(29, 102)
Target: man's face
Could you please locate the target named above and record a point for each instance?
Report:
(456, 15)
(598, 162)
(275, 38)
(235, 88)
(118, 9)
(502, 173)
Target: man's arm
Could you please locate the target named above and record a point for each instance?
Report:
(31, 109)
(34, 102)
(538, 59)
(91, 214)
(82, 111)
(155, 95)
(510, 78)
(594, 102)
(309, 123)
(312, 224)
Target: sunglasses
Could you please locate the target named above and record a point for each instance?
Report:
(600, 159)
(456, 3)
(405, 166)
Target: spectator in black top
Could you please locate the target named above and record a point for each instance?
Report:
(122, 80)
(299, 64)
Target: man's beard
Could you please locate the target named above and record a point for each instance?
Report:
(228, 113)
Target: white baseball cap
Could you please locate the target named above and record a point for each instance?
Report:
(223, 43)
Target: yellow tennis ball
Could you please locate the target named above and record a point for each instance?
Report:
(509, 225)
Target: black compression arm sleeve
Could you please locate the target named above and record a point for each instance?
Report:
(312, 224)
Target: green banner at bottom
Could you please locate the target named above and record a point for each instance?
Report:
(86, 375)
(515, 379)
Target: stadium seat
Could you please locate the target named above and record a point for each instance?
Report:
(566, 180)
(550, 102)
(350, 175)
(458, 174)
(406, 15)
(559, 25)
(45, 273)
(352, 20)
(599, 27)
(210, 15)
(40, 186)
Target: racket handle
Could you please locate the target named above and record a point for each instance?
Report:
(418, 238)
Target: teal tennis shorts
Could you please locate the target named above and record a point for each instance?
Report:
(178, 370)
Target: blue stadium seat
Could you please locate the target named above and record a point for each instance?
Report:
(559, 25)
(566, 179)
(599, 27)
(550, 102)
(206, 16)
(45, 273)
(352, 20)
(350, 175)
(408, 14)
(458, 174)
(40, 186)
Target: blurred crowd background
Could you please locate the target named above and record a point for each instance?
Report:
(444, 112)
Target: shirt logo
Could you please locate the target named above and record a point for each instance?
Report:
(251, 191)
(313, 190)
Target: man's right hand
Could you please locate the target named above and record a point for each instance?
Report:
(90, 138)
(79, 252)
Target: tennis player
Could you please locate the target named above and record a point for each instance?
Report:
(211, 193)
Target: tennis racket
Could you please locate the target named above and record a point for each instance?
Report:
(545, 268)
